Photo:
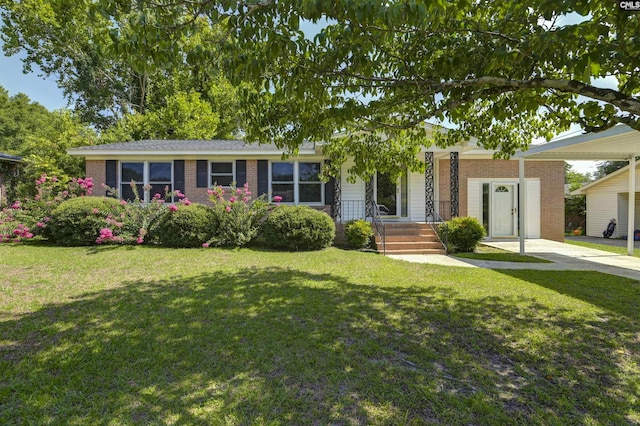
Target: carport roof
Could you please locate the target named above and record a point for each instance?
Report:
(617, 143)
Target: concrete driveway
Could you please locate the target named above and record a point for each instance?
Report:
(565, 257)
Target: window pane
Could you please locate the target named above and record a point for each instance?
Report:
(282, 172)
(159, 188)
(309, 172)
(159, 172)
(284, 190)
(310, 192)
(221, 180)
(132, 171)
(126, 192)
(222, 168)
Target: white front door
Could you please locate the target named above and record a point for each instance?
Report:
(504, 213)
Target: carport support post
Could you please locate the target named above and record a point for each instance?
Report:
(521, 194)
(631, 223)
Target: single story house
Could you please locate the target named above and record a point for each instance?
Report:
(462, 180)
(9, 165)
(608, 198)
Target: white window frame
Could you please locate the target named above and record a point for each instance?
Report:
(146, 196)
(233, 172)
(296, 182)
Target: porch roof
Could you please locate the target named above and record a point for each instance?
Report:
(619, 143)
(615, 144)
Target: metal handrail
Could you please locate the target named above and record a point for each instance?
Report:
(379, 226)
(435, 225)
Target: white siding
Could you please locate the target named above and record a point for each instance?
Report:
(474, 198)
(623, 214)
(532, 209)
(603, 204)
(601, 207)
(416, 197)
(353, 195)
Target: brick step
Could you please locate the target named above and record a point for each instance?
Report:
(404, 237)
(411, 245)
(406, 225)
(395, 231)
(417, 251)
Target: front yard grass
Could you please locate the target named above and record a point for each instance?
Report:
(483, 252)
(143, 335)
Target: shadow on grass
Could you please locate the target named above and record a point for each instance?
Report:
(282, 345)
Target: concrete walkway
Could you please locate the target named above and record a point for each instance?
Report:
(565, 257)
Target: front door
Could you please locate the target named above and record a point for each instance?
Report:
(391, 195)
(504, 213)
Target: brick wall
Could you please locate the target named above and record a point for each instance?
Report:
(550, 173)
(97, 169)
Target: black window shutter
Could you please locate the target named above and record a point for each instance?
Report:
(178, 175)
(111, 175)
(263, 177)
(241, 172)
(202, 174)
(329, 191)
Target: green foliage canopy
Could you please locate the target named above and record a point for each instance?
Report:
(503, 72)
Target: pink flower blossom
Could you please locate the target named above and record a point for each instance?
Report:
(245, 199)
(40, 225)
(232, 199)
(186, 202)
(228, 209)
(140, 240)
(205, 245)
(16, 205)
(173, 208)
(277, 198)
(95, 211)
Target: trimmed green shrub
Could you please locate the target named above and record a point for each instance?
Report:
(462, 233)
(358, 233)
(78, 221)
(298, 228)
(186, 226)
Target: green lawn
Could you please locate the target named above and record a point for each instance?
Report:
(604, 247)
(494, 254)
(142, 335)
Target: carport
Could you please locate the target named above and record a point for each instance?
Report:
(619, 143)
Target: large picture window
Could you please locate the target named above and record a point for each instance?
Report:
(222, 173)
(282, 181)
(131, 172)
(158, 175)
(297, 182)
(310, 186)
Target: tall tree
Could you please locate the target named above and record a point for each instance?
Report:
(41, 137)
(606, 167)
(503, 72)
(71, 42)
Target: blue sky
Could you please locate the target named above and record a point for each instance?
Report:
(37, 88)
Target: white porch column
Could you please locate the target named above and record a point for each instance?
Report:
(631, 223)
(522, 191)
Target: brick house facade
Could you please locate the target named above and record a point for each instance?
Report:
(482, 184)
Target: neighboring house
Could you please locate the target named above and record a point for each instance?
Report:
(9, 166)
(459, 181)
(608, 198)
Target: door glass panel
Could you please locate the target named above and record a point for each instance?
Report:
(386, 196)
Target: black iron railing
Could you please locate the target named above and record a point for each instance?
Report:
(378, 225)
